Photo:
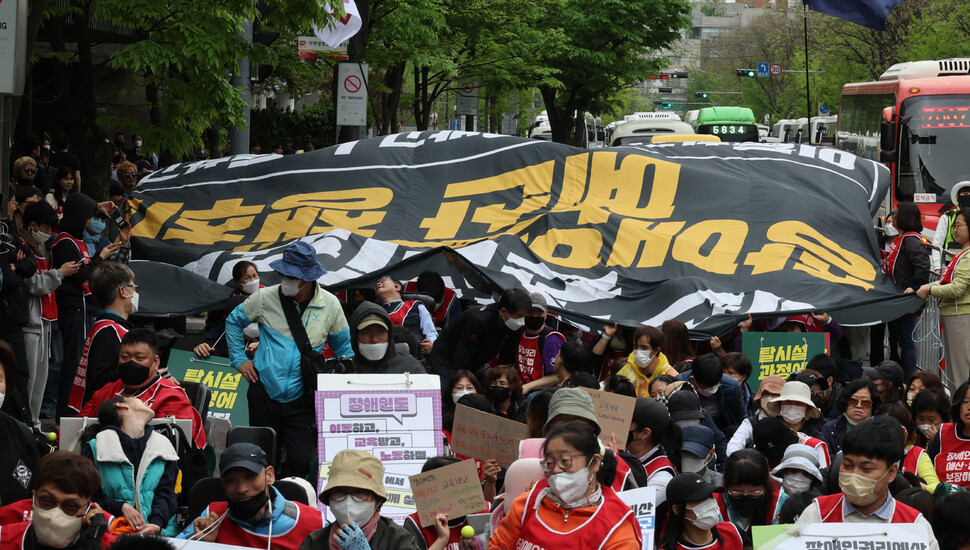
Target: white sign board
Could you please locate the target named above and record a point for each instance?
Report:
(642, 502)
(843, 536)
(395, 417)
(13, 46)
(352, 94)
(467, 103)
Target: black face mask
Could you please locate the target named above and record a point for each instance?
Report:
(747, 505)
(132, 373)
(246, 509)
(630, 439)
(498, 394)
(963, 201)
(534, 323)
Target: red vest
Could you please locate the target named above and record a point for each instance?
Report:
(947, 277)
(397, 318)
(48, 305)
(439, 314)
(622, 472)
(911, 461)
(730, 539)
(889, 262)
(76, 400)
(529, 359)
(953, 462)
(657, 464)
(82, 249)
(308, 520)
(594, 533)
(830, 510)
(825, 460)
(454, 533)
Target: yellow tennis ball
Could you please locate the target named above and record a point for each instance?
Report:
(467, 532)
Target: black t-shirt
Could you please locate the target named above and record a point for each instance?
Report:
(65, 158)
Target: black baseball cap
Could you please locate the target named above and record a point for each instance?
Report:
(243, 455)
(689, 487)
(650, 413)
(684, 405)
(771, 437)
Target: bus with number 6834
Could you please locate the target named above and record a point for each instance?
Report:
(728, 123)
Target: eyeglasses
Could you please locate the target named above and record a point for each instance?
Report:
(861, 403)
(131, 285)
(130, 174)
(739, 494)
(70, 507)
(564, 462)
(30, 170)
(360, 495)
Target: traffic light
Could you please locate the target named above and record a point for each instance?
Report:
(700, 94)
(747, 72)
(665, 90)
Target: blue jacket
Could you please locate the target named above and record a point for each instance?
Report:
(833, 432)
(732, 403)
(277, 358)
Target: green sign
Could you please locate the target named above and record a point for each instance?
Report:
(227, 385)
(780, 353)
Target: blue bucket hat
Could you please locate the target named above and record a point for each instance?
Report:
(299, 261)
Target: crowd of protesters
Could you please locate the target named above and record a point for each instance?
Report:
(725, 449)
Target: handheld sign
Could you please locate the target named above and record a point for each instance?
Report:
(642, 502)
(452, 490)
(484, 435)
(843, 536)
(779, 353)
(614, 412)
(228, 386)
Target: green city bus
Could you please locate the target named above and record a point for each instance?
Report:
(727, 123)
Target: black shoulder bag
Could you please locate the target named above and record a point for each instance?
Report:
(311, 362)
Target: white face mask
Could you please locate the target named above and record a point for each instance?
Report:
(691, 463)
(924, 428)
(251, 286)
(793, 414)
(134, 302)
(291, 287)
(458, 395)
(138, 143)
(570, 486)
(515, 324)
(709, 391)
(40, 237)
(688, 422)
(55, 528)
(706, 514)
(373, 352)
(1, 399)
(350, 510)
(890, 230)
(796, 482)
(642, 357)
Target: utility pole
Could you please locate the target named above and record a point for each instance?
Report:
(239, 135)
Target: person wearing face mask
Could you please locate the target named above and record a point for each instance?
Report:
(254, 514)
(693, 520)
(406, 313)
(504, 389)
(685, 410)
(38, 223)
(277, 395)
(952, 441)
(445, 532)
(61, 513)
(19, 459)
(459, 384)
(697, 454)
(479, 334)
(930, 409)
(750, 496)
(646, 361)
(798, 472)
(245, 279)
(139, 376)
(138, 468)
(945, 236)
(720, 394)
(870, 454)
(650, 428)
(374, 352)
(568, 509)
(536, 349)
(354, 495)
(800, 415)
(770, 388)
(114, 288)
(916, 460)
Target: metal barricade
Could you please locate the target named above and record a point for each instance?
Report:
(929, 339)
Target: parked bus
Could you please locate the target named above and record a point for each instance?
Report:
(780, 131)
(820, 131)
(728, 123)
(916, 119)
(640, 130)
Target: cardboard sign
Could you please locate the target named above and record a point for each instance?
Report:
(642, 501)
(395, 417)
(614, 412)
(842, 536)
(484, 435)
(227, 385)
(453, 490)
(779, 353)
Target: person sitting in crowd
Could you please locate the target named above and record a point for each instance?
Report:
(19, 459)
(447, 306)
(138, 468)
(138, 372)
(750, 496)
(720, 394)
(915, 460)
(922, 380)
(693, 519)
(572, 360)
(676, 345)
(930, 409)
(798, 471)
(827, 397)
(410, 314)
(737, 365)
(445, 533)
(536, 348)
(569, 508)
(479, 334)
(870, 453)
(770, 388)
(245, 280)
(859, 399)
(887, 376)
(374, 352)
(114, 288)
(659, 386)
(685, 410)
(354, 495)
(697, 454)
(771, 437)
(503, 387)
(952, 442)
(61, 513)
(647, 360)
(458, 385)
(254, 514)
(650, 428)
(800, 415)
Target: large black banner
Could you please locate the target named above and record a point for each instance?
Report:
(705, 233)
